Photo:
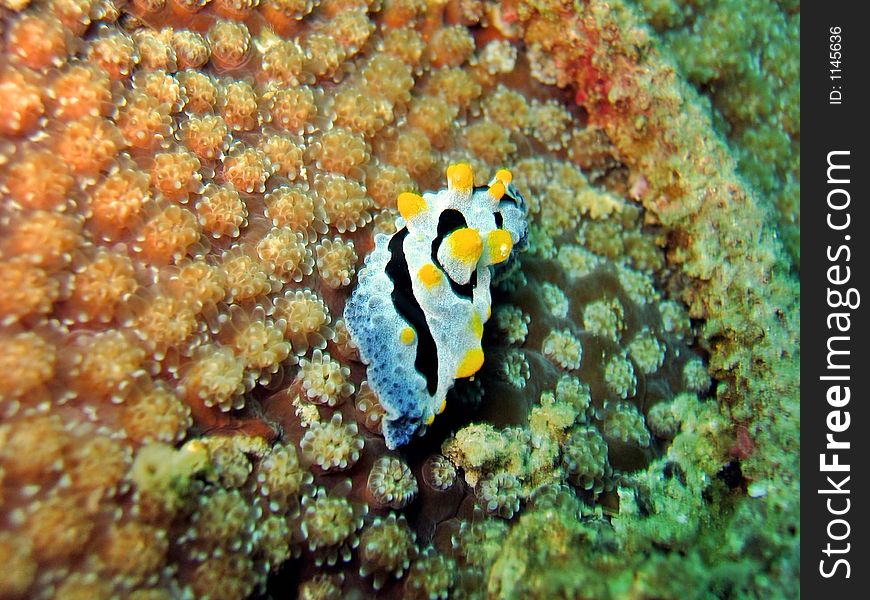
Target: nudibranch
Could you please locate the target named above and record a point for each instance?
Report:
(423, 296)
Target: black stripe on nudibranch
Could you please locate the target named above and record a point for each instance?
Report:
(409, 309)
(449, 221)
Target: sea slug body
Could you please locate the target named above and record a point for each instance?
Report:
(422, 299)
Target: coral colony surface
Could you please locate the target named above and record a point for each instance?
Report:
(571, 215)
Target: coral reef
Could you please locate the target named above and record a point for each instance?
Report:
(189, 192)
(745, 56)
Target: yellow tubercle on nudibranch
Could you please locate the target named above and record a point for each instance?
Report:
(498, 247)
(497, 190)
(416, 334)
(410, 205)
(460, 178)
(465, 245)
(459, 254)
(408, 335)
(470, 364)
(476, 325)
(430, 275)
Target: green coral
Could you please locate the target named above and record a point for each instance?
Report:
(745, 56)
(718, 512)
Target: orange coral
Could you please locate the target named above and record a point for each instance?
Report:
(207, 136)
(340, 151)
(295, 207)
(450, 47)
(38, 40)
(74, 14)
(361, 110)
(162, 321)
(134, 550)
(389, 77)
(286, 252)
(247, 277)
(155, 413)
(117, 203)
(324, 54)
(167, 235)
(336, 261)
(405, 44)
(307, 319)
(367, 404)
(28, 290)
(103, 363)
(489, 142)
(161, 86)
(332, 446)
(401, 13)
(284, 62)
(56, 532)
(384, 183)
(115, 52)
(144, 121)
(15, 554)
(208, 330)
(42, 238)
(200, 89)
(215, 376)
(283, 13)
(97, 466)
(324, 380)
(411, 150)
(280, 477)
(455, 86)
(100, 285)
(346, 203)
(351, 28)
(191, 49)
(292, 109)
(89, 144)
(238, 106)
(257, 341)
(155, 52)
(247, 169)
(230, 43)
(235, 9)
(23, 104)
(433, 116)
(286, 153)
(199, 284)
(27, 362)
(221, 211)
(508, 108)
(37, 180)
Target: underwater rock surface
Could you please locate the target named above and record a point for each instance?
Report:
(189, 190)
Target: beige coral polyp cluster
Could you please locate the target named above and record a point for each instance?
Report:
(332, 446)
(330, 526)
(324, 380)
(391, 482)
(386, 549)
